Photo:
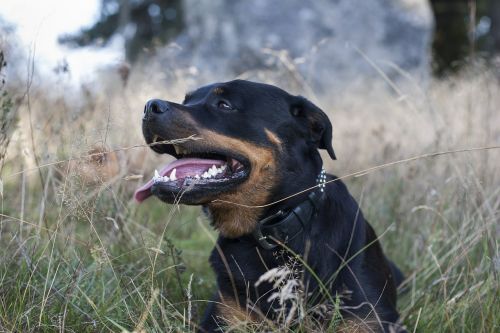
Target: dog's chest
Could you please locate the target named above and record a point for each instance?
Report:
(242, 263)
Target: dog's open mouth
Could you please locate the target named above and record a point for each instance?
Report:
(198, 174)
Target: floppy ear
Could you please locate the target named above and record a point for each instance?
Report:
(320, 127)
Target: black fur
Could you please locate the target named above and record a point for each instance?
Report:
(338, 244)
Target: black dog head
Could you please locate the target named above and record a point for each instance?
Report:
(256, 142)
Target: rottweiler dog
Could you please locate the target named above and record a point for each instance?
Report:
(256, 170)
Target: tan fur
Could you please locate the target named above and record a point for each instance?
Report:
(273, 138)
(218, 91)
(232, 220)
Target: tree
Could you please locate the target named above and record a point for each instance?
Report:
(8, 104)
(7, 113)
(464, 28)
(144, 24)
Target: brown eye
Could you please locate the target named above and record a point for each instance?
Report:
(223, 105)
(296, 111)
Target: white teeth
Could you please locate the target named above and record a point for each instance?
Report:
(177, 149)
(157, 178)
(213, 171)
(210, 173)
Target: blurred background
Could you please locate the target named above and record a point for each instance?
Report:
(398, 78)
(326, 40)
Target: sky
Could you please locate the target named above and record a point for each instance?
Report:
(40, 22)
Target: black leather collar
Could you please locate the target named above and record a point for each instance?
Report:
(283, 226)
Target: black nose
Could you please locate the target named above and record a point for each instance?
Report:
(156, 106)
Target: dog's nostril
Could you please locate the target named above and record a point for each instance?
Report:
(157, 106)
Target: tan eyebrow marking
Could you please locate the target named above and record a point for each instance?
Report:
(218, 90)
(273, 138)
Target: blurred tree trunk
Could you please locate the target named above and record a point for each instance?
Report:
(453, 41)
(495, 24)
(7, 114)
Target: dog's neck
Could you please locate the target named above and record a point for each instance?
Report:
(234, 220)
(284, 226)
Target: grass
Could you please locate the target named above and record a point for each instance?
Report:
(77, 254)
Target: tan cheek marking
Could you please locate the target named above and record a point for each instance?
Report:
(273, 138)
(231, 220)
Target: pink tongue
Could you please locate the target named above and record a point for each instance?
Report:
(185, 167)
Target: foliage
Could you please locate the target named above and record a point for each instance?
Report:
(144, 25)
